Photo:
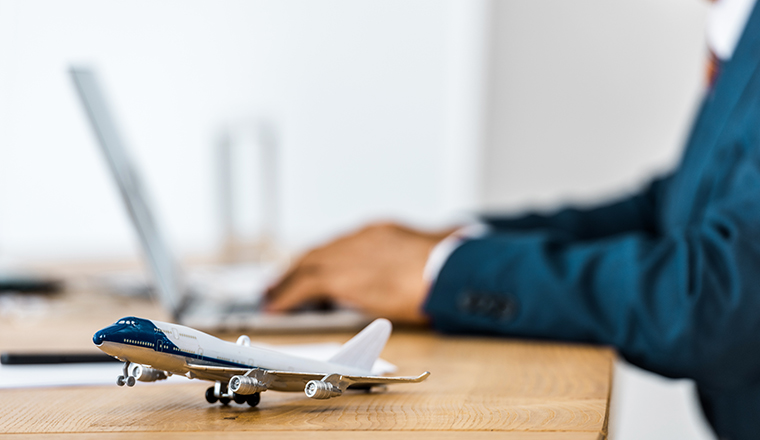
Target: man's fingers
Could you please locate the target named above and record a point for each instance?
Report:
(285, 280)
(302, 286)
(304, 264)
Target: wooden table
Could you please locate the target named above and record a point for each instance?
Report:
(479, 388)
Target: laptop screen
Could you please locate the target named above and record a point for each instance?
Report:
(165, 270)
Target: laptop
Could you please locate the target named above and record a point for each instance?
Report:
(203, 305)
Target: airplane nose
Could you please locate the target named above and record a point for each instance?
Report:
(99, 337)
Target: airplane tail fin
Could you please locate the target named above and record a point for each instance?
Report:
(362, 350)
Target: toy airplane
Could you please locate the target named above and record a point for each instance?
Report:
(153, 350)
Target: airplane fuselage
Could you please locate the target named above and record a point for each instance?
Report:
(172, 348)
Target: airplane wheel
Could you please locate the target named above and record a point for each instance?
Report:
(224, 400)
(253, 399)
(239, 399)
(120, 381)
(130, 381)
(210, 397)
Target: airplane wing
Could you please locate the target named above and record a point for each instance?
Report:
(334, 385)
(321, 386)
(370, 381)
(271, 379)
(228, 371)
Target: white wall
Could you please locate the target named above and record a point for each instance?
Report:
(589, 97)
(648, 406)
(359, 93)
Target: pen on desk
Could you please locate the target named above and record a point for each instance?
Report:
(29, 284)
(53, 358)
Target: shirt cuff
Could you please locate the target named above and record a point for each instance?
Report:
(447, 246)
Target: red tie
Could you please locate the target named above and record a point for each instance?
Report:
(713, 65)
(713, 69)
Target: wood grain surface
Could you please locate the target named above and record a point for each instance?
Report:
(308, 435)
(479, 388)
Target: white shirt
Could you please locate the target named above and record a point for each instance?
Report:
(725, 25)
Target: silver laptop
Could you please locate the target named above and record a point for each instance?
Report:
(192, 304)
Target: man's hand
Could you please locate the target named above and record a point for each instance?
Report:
(377, 270)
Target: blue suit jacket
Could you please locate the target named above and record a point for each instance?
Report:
(670, 276)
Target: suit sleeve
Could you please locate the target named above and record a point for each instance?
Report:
(683, 304)
(635, 213)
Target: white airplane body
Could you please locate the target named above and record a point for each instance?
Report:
(152, 350)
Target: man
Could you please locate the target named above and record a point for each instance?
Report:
(670, 276)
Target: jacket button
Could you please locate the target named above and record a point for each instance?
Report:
(504, 309)
(475, 303)
(468, 302)
(494, 306)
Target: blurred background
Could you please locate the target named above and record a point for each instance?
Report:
(420, 111)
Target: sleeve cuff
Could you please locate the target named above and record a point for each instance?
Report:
(447, 246)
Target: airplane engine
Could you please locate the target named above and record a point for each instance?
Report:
(146, 374)
(245, 385)
(319, 389)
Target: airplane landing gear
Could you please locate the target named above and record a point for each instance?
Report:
(125, 378)
(220, 393)
(210, 397)
(129, 381)
(253, 399)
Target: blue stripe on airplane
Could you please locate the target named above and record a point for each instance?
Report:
(142, 327)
